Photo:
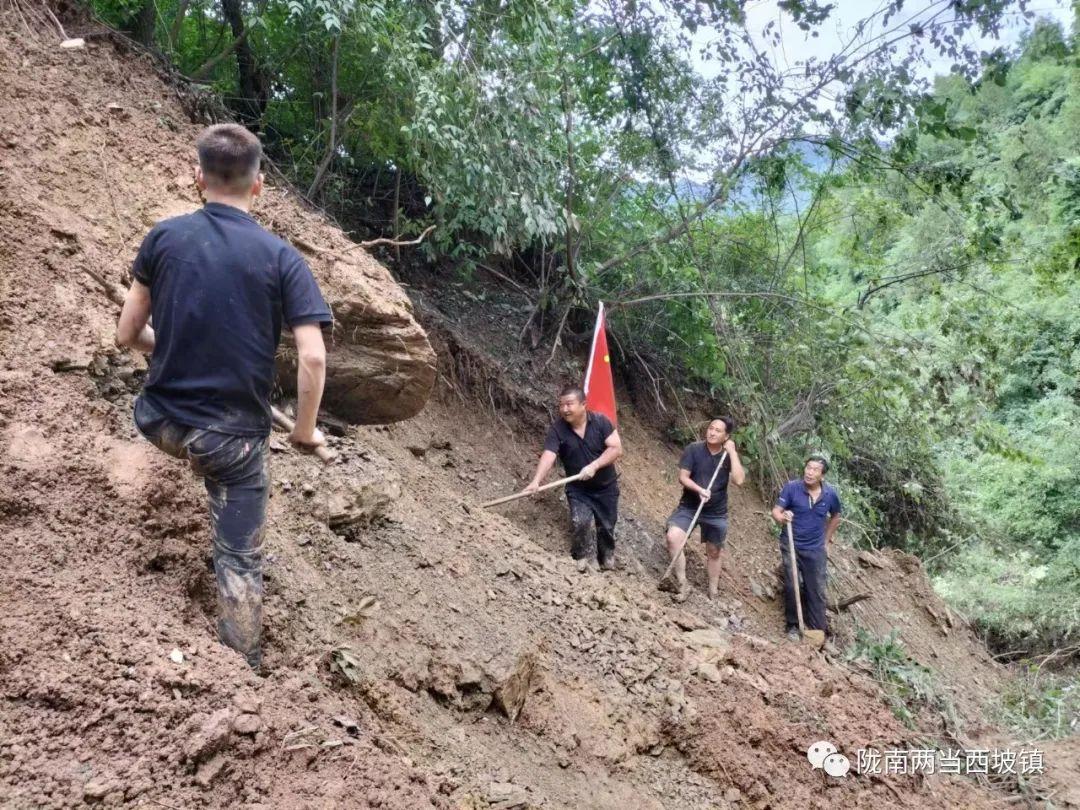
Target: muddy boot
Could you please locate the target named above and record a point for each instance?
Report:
(607, 564)
(240, 602)
(582, 565)
(714, 593)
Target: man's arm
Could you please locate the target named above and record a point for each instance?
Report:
(688, 483)
(543, 467)
(830, 527)
(133, 330)
(612, 452)
(780, 513)
(738, 474)
(310, 378)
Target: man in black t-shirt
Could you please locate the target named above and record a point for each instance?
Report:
(696, 467)
(219, 288)
(586, 443)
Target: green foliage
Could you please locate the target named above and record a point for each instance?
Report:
(1041, 705)
(909, 687)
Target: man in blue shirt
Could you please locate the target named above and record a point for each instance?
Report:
(219, 287)
(812, 507)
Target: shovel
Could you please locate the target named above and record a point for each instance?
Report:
(561, 482)
(814, 637)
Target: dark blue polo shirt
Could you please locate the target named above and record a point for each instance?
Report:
(220, 288)
(808, 527)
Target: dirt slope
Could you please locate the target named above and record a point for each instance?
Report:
(395, 608)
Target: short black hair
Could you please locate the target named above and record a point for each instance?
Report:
(572, 390)
(229, 156)
(729, 423)
(824, 462)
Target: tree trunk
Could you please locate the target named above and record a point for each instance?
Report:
(143, 24)
(252, 83)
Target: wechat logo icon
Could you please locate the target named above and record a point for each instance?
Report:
(823, 754)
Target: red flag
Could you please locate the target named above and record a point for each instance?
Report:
(599, 386)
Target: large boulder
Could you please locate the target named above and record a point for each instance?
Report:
(380, 365)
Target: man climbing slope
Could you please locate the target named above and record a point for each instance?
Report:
(697, 468)
(812, 507)
(219, 287)
(586, 443)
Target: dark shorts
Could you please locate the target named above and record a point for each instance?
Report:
(713, 527)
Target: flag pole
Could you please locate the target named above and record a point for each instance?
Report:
(592, 349)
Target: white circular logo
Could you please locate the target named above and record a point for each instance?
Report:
(817, 752)
(836, 765)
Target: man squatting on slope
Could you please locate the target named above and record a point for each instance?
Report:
(813, 509)
(696, 467)
(219, 287)
(586, 443)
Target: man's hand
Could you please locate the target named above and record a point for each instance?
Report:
(729, 447)
(587, 472)
(307, 442)
(532, 487)
(704, 494)
(788, 516)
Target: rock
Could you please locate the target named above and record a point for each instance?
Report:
(688, 621)
(97, 789)
(709, 672)
(505, 796)
(380, 366)
(356, 500)
(513, 683)
(247, 702)
(209, 771)
(710, 637)
(212, 736)
(176, 656)
(867, 558)
(249, 724)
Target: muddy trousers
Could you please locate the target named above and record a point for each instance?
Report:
(812, 584)
(582, 522)
(236, 474)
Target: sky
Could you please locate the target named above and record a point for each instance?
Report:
(798, 46)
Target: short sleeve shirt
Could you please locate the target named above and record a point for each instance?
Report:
(221, 286)
(702, 464)
(576, 451)
(808, 527)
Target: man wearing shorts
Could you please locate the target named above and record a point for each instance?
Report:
(696, 467)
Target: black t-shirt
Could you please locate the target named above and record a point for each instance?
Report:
(702, 464)
(220, 288)
(576, 451)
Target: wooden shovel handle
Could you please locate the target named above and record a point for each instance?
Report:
(516, 495)
(325, 454)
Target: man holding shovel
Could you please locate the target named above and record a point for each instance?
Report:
(704, 471)
(587, 444)
(808, 511)
(219, 288)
